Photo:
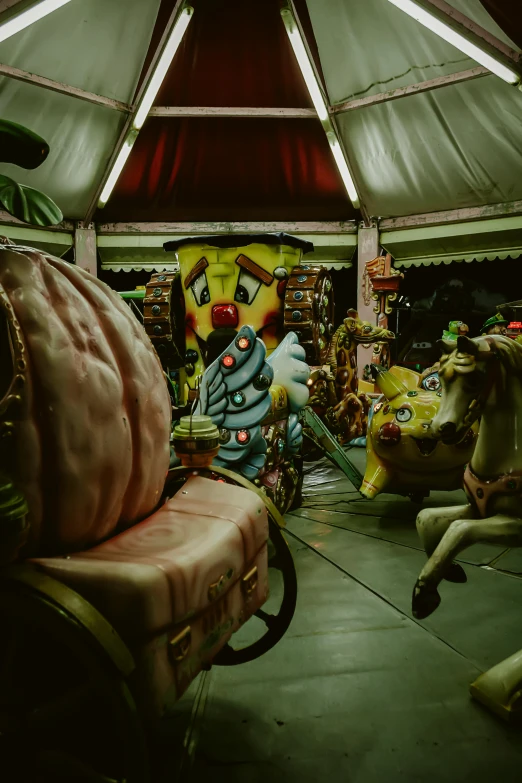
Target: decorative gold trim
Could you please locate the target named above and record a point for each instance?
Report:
(249, 581)
(12, 403)
(179, 646)
(72, 603)
(216, 588)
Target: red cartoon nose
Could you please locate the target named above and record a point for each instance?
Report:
(224, 316)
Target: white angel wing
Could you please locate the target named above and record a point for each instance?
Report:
(291, 371)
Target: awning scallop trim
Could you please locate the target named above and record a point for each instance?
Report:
(142, 265)
(133, 265)
(490, 255)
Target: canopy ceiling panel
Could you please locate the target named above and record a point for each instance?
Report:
(235, 53)
(81, 137)
(90, 44)
(454, 147)
(96, 45)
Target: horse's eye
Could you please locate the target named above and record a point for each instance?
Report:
(403, 414)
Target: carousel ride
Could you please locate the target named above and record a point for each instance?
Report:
(226, 283)
(120, 579)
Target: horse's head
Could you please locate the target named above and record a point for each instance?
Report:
(465, 376)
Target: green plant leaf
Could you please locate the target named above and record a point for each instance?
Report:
(28, 204)
(21, 146)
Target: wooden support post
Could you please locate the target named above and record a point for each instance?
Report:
(85, 255)
(367, 249)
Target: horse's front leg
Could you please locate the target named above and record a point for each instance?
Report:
(432, 524)
(462, 533)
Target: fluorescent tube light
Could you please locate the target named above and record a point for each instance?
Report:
(117, 168)
(26, 18)
(147, 99)
(343, 168)
(316, 95)
(457, 39)
(304, 64)
(160, 71)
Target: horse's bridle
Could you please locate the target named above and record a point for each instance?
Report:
(477, 404)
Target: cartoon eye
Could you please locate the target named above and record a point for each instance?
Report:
(431, 383)
(247, 287)
(200, 290)
(403, 414)
(367, 329)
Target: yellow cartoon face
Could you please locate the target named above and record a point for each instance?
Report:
(400, 447)
(226, 288)
(400, 433)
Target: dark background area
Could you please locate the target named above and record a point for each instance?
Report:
(417, 320)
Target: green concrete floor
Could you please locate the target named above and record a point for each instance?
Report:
(358, 691)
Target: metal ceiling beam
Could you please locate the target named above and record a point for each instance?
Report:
(63, 89)
(191, 229)
(130, 118)
(232, 111)
(6, 4)
(157, 111)
(470, 29)
(411, 89)
(473, 32)
(241, 111)
(66, 226)
(465, 215)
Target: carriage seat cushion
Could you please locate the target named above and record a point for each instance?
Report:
(172, 565)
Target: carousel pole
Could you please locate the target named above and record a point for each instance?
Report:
(367, 249)
(384, 282)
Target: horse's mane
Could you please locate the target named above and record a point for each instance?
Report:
(508, 351)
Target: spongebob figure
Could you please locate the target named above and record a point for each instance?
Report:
(230, 281)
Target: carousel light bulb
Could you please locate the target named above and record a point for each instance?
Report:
(228, 360)
(164, 62)
(458, 40)
(28, 17)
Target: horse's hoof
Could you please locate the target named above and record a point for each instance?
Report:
(424, 601)
(455, 573)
